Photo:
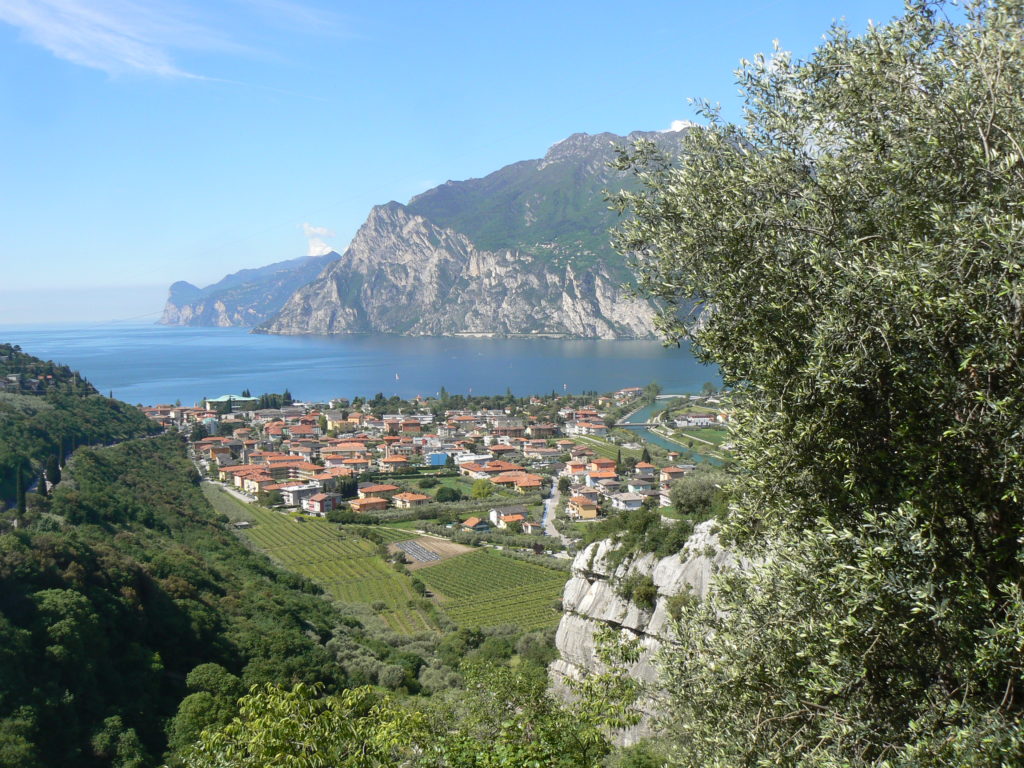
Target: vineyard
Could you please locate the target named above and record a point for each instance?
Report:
(482, 589)
(387, 535)
(345, 564)
(605, 449)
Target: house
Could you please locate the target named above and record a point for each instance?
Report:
(581, 508)
(476, 524)
(380, 491)
(231, 403)
(574, 469)
(542, 430)
(506, 521)
(644, 470)
(408, 500)
(696, 419)
(320, 504)
(601, 465)
(593, 428)
(437, 458)
(520, 481)
(594, 478)
(336, 420)
(670, 474)
(503, 450)
(627, 501)
(637, 485)
(369, 504)
(393, 463)
(294, 495)
(532, 528)
(516, 512)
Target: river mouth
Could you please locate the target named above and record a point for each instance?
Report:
(645, 415)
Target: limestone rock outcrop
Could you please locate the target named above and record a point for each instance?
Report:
(402, 274)
(591, 602)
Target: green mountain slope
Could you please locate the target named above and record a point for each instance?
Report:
(46, 410)
(554, 207)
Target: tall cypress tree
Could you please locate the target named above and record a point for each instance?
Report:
(20, 489)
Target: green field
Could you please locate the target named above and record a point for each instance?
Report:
(345, 564)
(715, 436)
(482, 589)
(408, 525)
(387, 533)
(607, 450)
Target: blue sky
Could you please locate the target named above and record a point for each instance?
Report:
(147, 141)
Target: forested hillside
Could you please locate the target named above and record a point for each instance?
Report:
(116, 594)
(47, 410)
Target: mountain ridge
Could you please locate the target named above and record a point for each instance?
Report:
(244, 298)
(524, 250)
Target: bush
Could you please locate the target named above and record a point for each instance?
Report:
(447, 494)
(639, 589)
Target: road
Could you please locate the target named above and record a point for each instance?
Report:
(550, 505)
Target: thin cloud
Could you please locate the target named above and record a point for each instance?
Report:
(142, 36)
(678, 125)
(300, 17)
(115, 36)
(315, 236)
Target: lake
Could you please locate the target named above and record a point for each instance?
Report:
(152, 364)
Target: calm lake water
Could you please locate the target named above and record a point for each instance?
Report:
(152, 364)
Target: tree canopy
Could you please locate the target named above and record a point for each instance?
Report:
(850, 256)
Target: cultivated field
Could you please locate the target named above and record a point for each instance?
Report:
(605, 449)
(483, 588)
(386, 534)
(345, 564)
(443, 548)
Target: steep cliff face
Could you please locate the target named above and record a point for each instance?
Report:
(525, 250)
(591, 602)
(404, 274)
(245, 298)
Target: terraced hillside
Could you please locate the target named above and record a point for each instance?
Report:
(345, 564)
(484, 588)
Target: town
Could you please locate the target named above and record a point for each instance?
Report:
(527, 467)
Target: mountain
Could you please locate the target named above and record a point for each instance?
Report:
(402, 274)
(244, 298)
(522, 251)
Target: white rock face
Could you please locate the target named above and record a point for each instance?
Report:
(591, 603)
(402, 274)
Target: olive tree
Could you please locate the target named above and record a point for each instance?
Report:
(850, 255)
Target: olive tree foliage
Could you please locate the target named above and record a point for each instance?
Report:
(853, 252)
(299, 728)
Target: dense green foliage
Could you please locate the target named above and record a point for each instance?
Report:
(112, 597)
(47, 412)
(503, 718)
(856, 248)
